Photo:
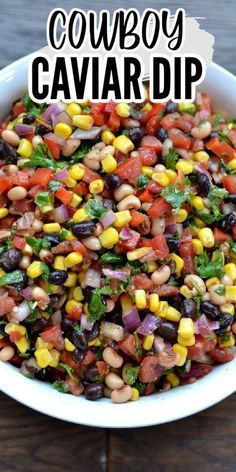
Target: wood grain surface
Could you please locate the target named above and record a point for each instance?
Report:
(31, 442)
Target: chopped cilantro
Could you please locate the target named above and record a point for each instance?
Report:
(177, 195)
(220, 290)
(223, 136)
(67, 368)
(218, 118)
(33, 109)
(80, 154)
(137, 267)
(46, 271)
(42, 157)
(12, 278)
(215, 197)
(112, 258)
(94, 209)
(59, 386)
(38, 243)
(207, 269)
(33, 312)
(43, 199)
(97, 306)
(140, 387)
(131, 374)
(171, 159)
(63, 234)
(142, 181)
(54, 185)
(232, 245)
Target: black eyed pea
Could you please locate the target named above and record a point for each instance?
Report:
(24, 263)
(112, 330)
(107, 392)
(122, 395)
(159, 168)
(202, 130)
(6, 353)
(70, 147)
(92, 243)
(106, 151)
(11, 137)
(123, 191)
(130, 123)
(112, 358)
(129, 202)
(166, 146)
(98, 230)
(12, 169)
(37, 225)
(195, 284)
(113, 381)
(161, 275)
(36, 141)
(16, 193)
(99, 145)
(92, 159)
(216, 298)
(158, 226)
(226, 280)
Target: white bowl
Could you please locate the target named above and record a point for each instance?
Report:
(155, 409)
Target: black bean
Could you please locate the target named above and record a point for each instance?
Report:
(67, 327)
(168, 331)
(228, 223)
(84, 229)
(109, 204)
(226, 320)
(94, 391)
(162, 135)
(189, 308)
(203, 184)
(171, 107)
(90, 335)
(115, 316)
(173, 244)
(135, 113)
(136, 134)
(52, 238)
(7, 151)
(28, 119)
(38, 326)
(79, 340)
(91, 374)
(42, 130)
(78, 355)
(57, 277)
(113, 181)
(212, 311)
(10, 259)
(88, 293)
(176, 301)
(91, 142)
(232, 198)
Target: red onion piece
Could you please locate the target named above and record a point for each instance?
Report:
(23, 130)
(121, 274)
(149, 325)
(201, 326)
(54, 108)
(150, 256)
(108, 218)
(85, 324)
(53, 137)
(125, 233)
(89, 134)
(159, 344)
(61, 214)
(21, 312)
(62, 175)
(171, 229)
(92, 279)
(26, 220)
(54, 120)
(214, 325)
(26, 293)
(131, 319)
(63, 117)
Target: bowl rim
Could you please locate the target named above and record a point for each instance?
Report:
(155, 409)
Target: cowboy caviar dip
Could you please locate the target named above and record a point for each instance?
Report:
(118, 244)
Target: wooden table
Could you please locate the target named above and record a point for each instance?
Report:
(31, 442)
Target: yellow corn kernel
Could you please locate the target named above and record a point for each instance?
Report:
(73, 259)
(230, 270)
(69, 236)
(185, 291)
(107, 137)
(137, 253)
(212, 281)
(46, 208)
(40, 344)
(80, 216)
(63, 130)
(123, 144)
(27, 251)
(69, 346)
(73, 109)
(126, 302)
(123, 110)
(109, 164)
(51, 228)
(71, 280)
(72, 305)
(22, 345)
(184, 107)
(227, 340)
(199, 222)
(173, 379)
(146, 107)
(76, 172)
(43, 357)
(3, 212)
(10, 125)
(172, 314)
(198, 246)
(162, 309)
(186, 328)
(96, 186)
(201, 156)
(122, 218)
(197, 202)
(95, 342)
(84, 122)
(184, 166)
(182, 351)
(206, 236)
(230, 293)
(135, 394)
(148, 342)
(151, 266)
(153, 302)
(2, 273)
(232, 164)
(55, 358)
(70, 294)
(10, 327)
(171, 174)
(59, 263)
(186, 341)
(161, 178)
(140, 299)
(70, 183)
(86, 310)
(78, 294)
(227, 308)
(25, 148)
(76, 200)
(147, 171)
(182, 215)
(109, 237)
(179, 262)
(35, 269)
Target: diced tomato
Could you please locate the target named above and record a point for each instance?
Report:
(22, 206)
(229, 182)
(152, 125)
(6, 305)
(4, 342)
(63, 195)
(144, 242)
(129, 348)
(41, 176)
(75, 314)
(3, 201)
(155, 110)
(148, 156)
(137, 218)
(90, 175)
(222, 354)
(197, 371)
(102, 367)
(34, 190)
(184, 122)
(88, 359)
(179, 139)
(232, 136)
(54, 148)
(150, 388)
(187, 253)
(221, 149)
(169, 120)
(81, 189)
(145, 196)
(15, 336)
(129, 244)
(67, 358)
(113, 122)
(99, 120)
(220, 236)
(197, 145)
(160, 208)
(22, 178)
(151, 142)
(6, 223)
(77, 246)
(201, 347)
(53, 335)
(97, 108)
(5, 183)
(19, 242)
(166, 290)
(160, 247)
(110, 107)
(154, 187)
(18, 108)
(74, 385)
(142, 281)
(149, 369)
(130, 170)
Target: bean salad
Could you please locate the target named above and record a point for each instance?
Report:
(117, 244)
